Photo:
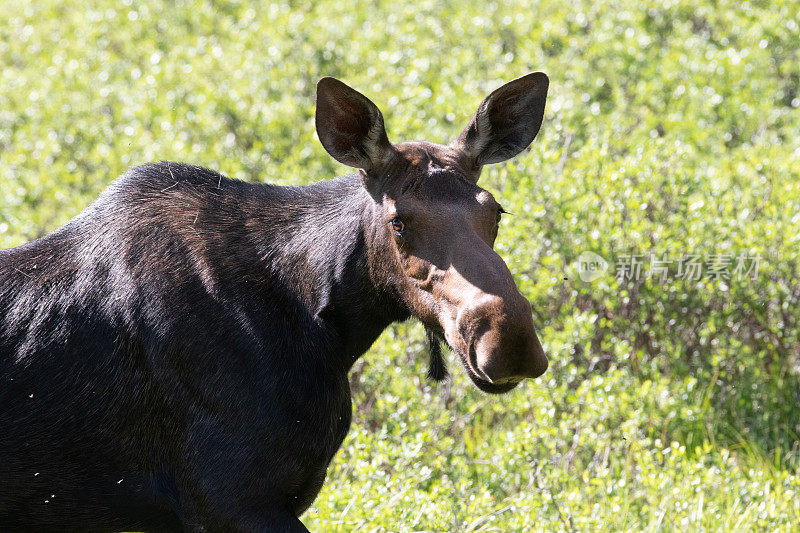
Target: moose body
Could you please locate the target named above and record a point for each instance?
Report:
(176, 356)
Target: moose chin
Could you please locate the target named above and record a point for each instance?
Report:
(175, 358)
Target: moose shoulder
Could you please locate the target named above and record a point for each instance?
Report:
(176, 356)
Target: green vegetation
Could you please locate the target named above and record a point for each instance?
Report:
(672, 128)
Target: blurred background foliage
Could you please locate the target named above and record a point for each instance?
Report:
(671, 128)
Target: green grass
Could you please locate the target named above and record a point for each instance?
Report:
(670, 129)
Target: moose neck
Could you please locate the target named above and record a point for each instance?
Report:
(316, 243)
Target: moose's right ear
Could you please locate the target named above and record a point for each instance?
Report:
(350, 126)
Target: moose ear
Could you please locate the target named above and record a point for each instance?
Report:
(506, 121)
(350, 126)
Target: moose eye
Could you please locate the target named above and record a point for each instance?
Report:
(397, 225)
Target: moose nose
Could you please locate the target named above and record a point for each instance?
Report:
(505, 346)
(510, 359)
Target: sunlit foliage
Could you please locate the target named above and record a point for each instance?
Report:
(672, 128)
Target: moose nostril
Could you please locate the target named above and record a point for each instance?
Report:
(488, 360)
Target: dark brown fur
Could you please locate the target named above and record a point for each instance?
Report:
(176, 357)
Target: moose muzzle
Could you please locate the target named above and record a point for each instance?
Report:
(493, 329)
(502, 344)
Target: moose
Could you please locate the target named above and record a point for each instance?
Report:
(176, 357)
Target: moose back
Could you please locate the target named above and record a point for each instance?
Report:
(176, 356)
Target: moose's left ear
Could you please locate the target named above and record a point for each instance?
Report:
(506, 121)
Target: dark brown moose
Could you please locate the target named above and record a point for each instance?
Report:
(176, 356)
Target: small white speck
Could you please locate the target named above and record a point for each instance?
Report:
(120, 481)
(47, 501)
(36, 474)
(52, 496)
(30, 396)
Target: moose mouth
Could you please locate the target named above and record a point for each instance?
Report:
(469, 362)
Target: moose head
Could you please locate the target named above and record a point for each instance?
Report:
(433, 228)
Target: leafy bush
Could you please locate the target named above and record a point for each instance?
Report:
(672, 129)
